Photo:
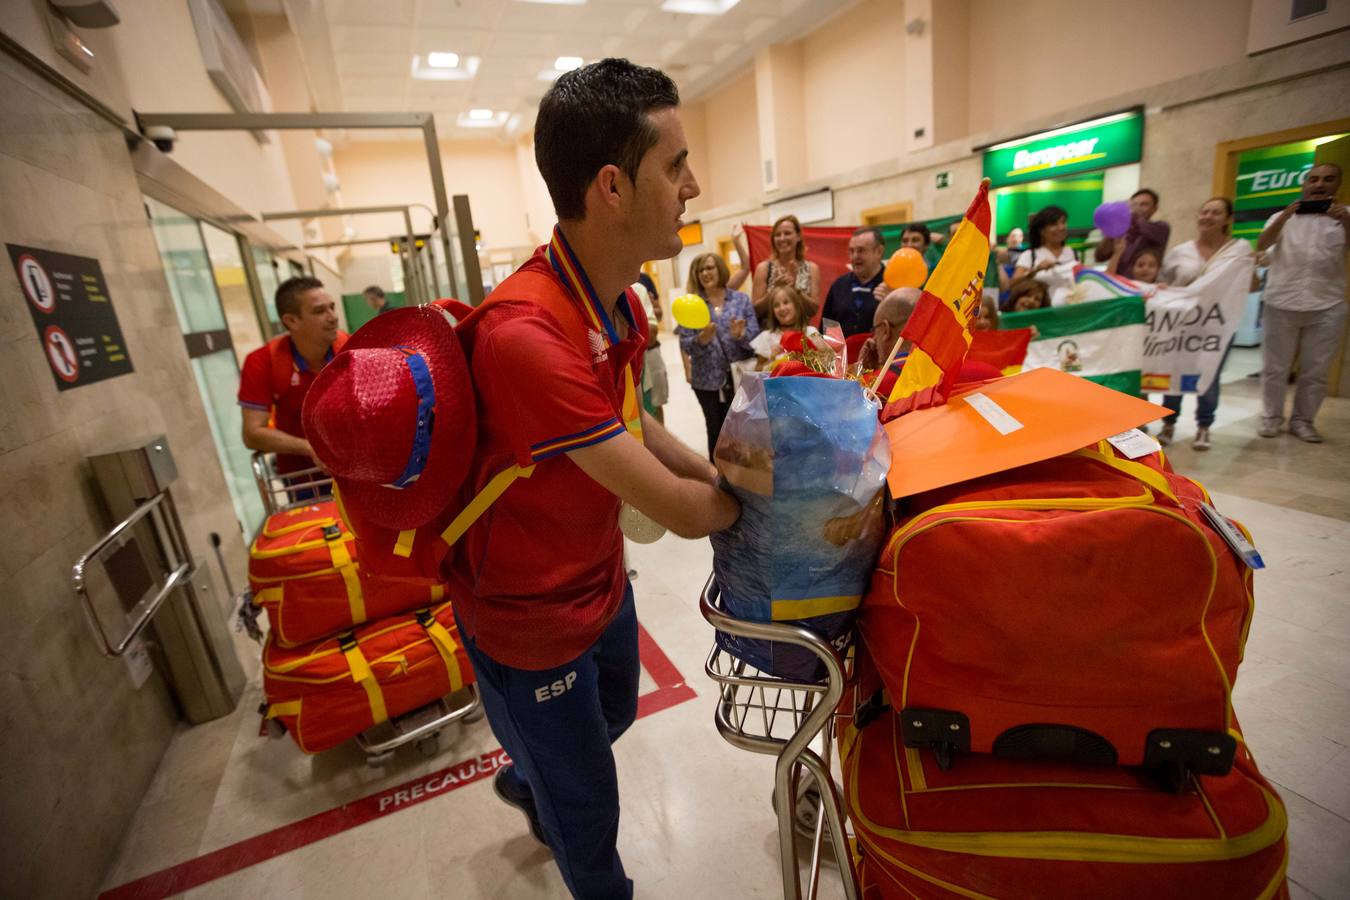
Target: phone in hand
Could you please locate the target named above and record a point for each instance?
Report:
(1312, 207)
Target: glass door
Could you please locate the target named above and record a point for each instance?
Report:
(211, 349)
(265, 268)
(232, 286)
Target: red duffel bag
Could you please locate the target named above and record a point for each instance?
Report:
(304, 572)
(1078, 608)
(991, 827)
(327, 692)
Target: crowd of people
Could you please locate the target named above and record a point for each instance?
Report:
(1300, 251)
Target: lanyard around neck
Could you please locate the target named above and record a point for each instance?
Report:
(574, 278)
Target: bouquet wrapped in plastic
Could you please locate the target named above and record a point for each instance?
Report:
(807, 459)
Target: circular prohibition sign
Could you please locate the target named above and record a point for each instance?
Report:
(61, 353)
(37, 287)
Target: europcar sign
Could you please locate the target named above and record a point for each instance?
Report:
(1098, 144)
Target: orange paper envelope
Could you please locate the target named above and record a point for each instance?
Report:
(1044, 412)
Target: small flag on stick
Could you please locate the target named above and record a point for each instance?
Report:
(940, 325)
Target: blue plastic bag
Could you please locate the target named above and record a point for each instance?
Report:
(807, 459)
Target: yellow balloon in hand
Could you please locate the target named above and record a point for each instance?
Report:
(691, 311)
(906, 268)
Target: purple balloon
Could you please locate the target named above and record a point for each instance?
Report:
(1113, 218)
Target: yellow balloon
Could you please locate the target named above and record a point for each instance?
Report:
(691, 311)
(906, 268)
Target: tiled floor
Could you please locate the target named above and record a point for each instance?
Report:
(696, 815)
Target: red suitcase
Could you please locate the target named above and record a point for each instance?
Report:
(992, 827)
(327, 692)
(303, 571)
(1077, 608)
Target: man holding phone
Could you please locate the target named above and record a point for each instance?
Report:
(1304, 301)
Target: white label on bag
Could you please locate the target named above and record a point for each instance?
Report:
(993, 413)
(1134, 443)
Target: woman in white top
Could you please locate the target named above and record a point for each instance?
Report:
(1184, 263)
(787, 265)
(1049, 229)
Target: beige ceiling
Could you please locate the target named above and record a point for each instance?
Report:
(373, 42)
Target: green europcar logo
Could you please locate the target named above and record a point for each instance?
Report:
(1113, 140)
(1060, 155)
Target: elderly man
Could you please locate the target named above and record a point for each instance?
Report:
(1304, 301)
(853, 298)
(887, 322)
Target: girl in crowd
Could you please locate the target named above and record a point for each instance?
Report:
(1146, 267)
(788, 265)
(789, 310)
(1028, 294)
(1049, 229)
(987, 320)
(1213, 247)
(725, 340)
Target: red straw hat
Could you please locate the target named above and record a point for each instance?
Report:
(393, 417)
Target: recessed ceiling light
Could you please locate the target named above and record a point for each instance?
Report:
(699, 7)
(482, 118)
(567, 63)
(433, 67)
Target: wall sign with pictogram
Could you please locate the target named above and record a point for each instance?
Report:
(68, 300)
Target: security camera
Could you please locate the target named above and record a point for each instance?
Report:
(163, 137)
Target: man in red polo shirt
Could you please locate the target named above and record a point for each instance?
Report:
(541, 595)
(276, 376)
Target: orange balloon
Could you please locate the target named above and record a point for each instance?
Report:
(906, 268)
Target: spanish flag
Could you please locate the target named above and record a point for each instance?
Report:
(940, 325)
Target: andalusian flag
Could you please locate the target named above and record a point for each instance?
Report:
(1102, 340)
(940, 325)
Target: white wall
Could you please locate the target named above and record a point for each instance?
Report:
(380, 173)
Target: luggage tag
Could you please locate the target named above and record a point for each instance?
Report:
(1233, 536)
(1134, 443)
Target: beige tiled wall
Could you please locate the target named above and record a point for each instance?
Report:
(78, 743)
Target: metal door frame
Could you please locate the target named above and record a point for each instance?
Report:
(286, 121)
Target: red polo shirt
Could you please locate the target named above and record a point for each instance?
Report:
(275, 379)
(538, 578)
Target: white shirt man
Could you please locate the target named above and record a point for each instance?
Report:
(1304, 301)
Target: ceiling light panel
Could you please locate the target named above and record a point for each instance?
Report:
(466, 69)
(482, 118)
(698, 7)
(443, 59)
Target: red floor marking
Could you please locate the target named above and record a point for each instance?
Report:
(671, 690)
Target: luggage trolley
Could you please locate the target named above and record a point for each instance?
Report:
(421, 726)
(766, 714)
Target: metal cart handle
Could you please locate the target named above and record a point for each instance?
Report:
(175, 578)
(797, 749)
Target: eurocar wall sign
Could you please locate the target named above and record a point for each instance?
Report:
(1098, 144)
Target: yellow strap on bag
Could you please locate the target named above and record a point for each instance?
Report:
(363, 676)
(1138, 471)
(445, 645)
(277, 710)
(346, 567)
